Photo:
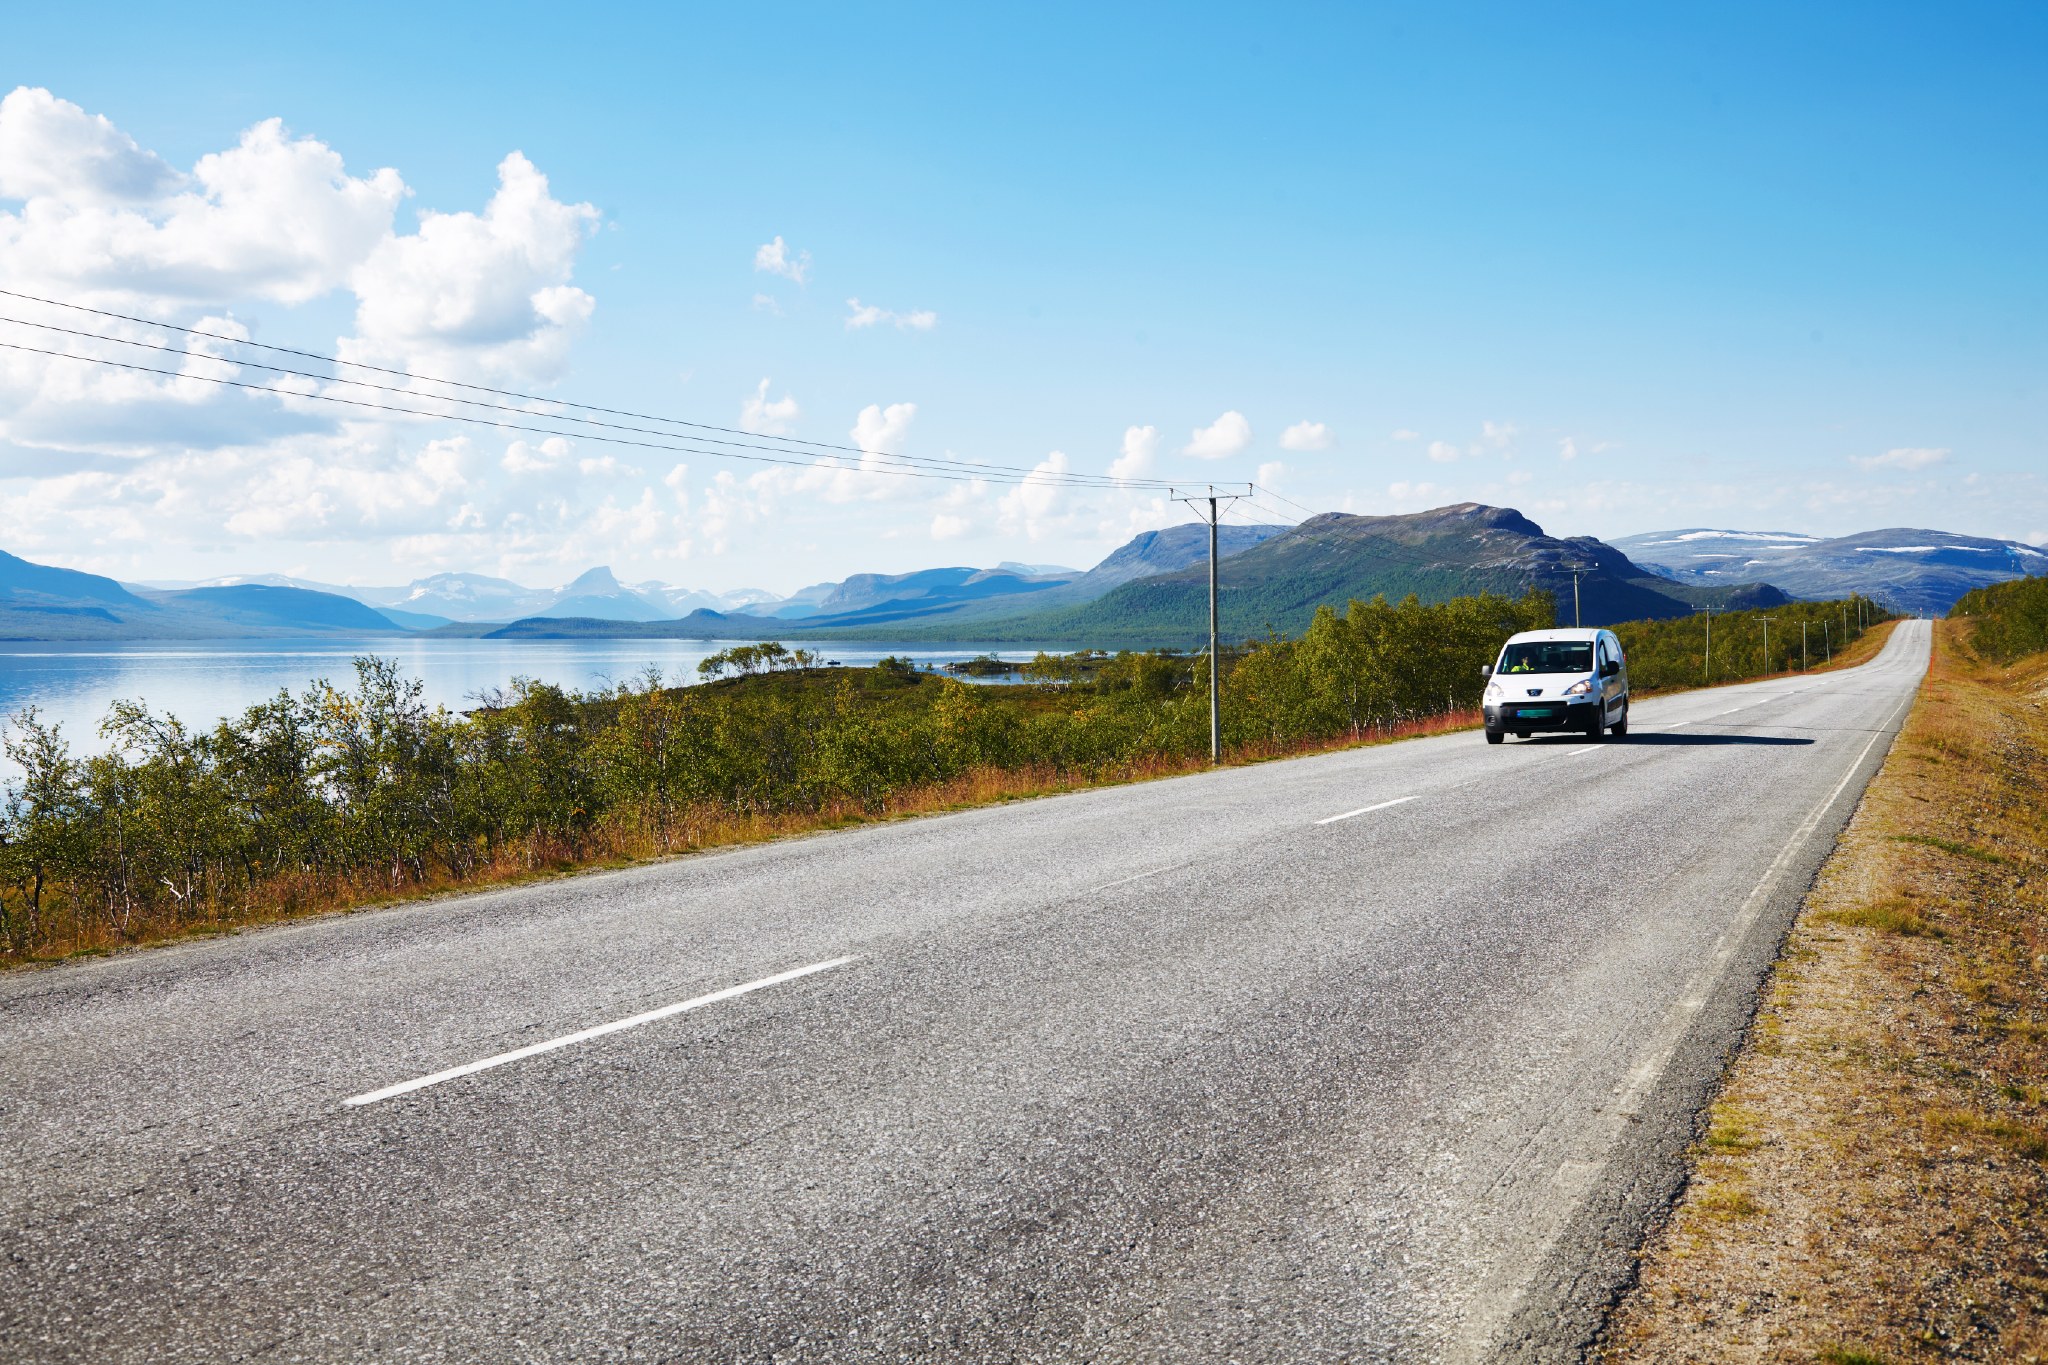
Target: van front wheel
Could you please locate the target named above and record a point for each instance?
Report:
(1620, 727)
(1495, 737)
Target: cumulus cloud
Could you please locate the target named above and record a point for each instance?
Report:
(1228, 435)
(1443, 452)
(881, 429)
(1404, 434)
(522, 457)
(764, 417)
(275, 217)
(949, 526)
(157, 464)
(1408, 495)
(1035, 506)
(775, 258)
(478, 294)
(1307, 436)
(52, 149)
(860, 315)
(1567, 449)
(1140, 448)
(1498, 435)
(1905, 457)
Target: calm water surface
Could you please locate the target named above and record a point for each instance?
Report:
(205, 681)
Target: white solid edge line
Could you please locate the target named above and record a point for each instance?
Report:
(585, 1035)
(1366, 810)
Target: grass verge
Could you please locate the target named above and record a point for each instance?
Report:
(1870, 1184)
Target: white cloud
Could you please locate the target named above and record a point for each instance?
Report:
(882, 429)
(1906, 457)
(1404, 434)
(767, 303)
(52, 149)
(947, 526)
(478, 294)
(1034, 506)
(1443, 452)
(1567, 449)
(523, 458)
(1228, 435)
(774, 258)
(1498, 435)
(274, 217)
(861, 315)
(768, 418)
(1270, 474)
(1409, 496)
(1307, 436)
(1140, 447)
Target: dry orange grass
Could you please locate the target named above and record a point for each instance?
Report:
(1871, 1182)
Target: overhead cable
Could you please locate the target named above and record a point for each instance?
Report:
(749, 440)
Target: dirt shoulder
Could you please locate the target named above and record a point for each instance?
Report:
(1872, 1183)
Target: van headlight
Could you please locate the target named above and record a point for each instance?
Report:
(1579, 688)
(1492, 693)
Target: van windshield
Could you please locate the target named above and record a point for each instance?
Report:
(1548, 656)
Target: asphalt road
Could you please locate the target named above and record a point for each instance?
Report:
(1183, 1071)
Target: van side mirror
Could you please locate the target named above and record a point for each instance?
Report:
(1486, 670)
(1610, 668)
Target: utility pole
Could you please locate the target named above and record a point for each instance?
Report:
(1577, 571)
(1767, 645)
(1708, 612)
(1210, 498)
(1804, 663)
(1827, 639)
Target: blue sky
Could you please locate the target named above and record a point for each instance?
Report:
(1760, 267)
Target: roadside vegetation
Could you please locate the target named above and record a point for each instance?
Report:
(1800, 636)
(354, 795)
(1872, 1183)
(2008, 621)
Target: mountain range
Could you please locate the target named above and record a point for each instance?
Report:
(1151, 590)
(1910, 570)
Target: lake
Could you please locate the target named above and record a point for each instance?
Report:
(201, 682)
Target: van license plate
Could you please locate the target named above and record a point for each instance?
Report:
(1532, 715)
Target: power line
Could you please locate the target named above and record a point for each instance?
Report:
(750, 441)
(909, 473)
(1068, 478)
(1278, 518)
(1261, 488)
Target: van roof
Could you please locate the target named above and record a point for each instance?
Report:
(1565, 633)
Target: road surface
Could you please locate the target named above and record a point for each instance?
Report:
(1375, 1055)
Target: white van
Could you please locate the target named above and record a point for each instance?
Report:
(1557, 680)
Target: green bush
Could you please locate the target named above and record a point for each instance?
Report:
(2009, 620)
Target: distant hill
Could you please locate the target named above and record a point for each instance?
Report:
(1907, 569)
(41, 602)
(1275, 580)
(1333, 558)
(947, 604)
(263, 607)
(25, 584)
(597, 593)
